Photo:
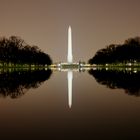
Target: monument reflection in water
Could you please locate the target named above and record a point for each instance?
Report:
(70, 77)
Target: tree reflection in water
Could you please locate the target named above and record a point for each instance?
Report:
(16, 83)
(119, 79)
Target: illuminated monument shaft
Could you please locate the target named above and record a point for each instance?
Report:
(69, 57)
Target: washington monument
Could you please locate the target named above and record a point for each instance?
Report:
(69, 56)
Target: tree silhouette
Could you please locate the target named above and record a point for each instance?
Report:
(124, 53)
(14, 50)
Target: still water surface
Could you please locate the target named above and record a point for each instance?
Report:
(35, 104)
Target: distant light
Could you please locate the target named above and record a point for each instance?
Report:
(59, 69)
(135, 71)
(135, 61)
(129, 64)
(58, 64)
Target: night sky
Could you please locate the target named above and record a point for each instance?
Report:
(95, 24)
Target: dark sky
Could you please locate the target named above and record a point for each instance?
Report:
(95, 24)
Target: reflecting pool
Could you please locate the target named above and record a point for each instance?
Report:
(70, 104)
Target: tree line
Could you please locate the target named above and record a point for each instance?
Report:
(14, 50)
(122, 53)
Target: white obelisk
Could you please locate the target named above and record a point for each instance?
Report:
(69, 56)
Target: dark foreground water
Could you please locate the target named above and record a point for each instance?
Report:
(105, 104)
